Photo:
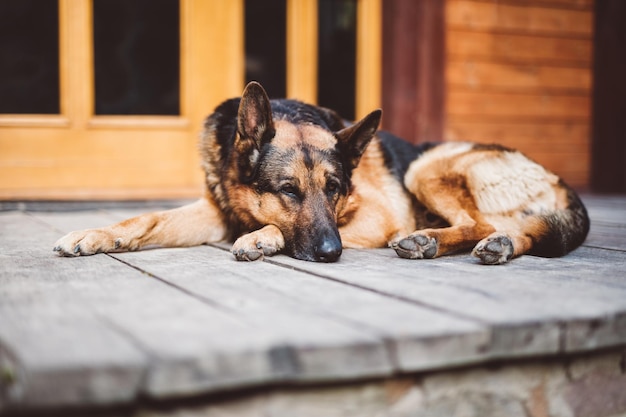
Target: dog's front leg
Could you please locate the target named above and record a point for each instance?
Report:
(190, 225)
(263, 242)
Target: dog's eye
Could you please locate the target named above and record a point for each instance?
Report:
(289, 190)
(332, 187)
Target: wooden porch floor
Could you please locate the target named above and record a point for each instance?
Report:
(175, 323)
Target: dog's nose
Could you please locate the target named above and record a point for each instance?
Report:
(329, 250)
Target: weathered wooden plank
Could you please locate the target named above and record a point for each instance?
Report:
(608, 225)
(54, 350)
(418, 338)
(85, 205)
(329, 349)
(269, 332)
(192, 346)
(63, 356)
(607, 235)
(525, 303)
(606, 208)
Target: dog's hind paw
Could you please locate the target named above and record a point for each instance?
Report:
(496, 249)
(416, 246)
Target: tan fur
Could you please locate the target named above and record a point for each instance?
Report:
(289, 135)
(194, 224)
(379, 210)
(479, 192)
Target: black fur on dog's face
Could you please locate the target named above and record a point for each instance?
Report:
(294, 163)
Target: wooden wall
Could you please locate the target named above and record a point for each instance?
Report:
(518, 72)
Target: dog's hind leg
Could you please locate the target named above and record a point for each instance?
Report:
(194, 224)
(449, 198)
(549, 234)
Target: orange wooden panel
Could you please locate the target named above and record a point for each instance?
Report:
(558, 137)
(527, 77)
(368, 55)
(302, 50)
(517, 106)
(495, 16)
(79, 155)
(519, 73)
(518, 48)
(563, 4)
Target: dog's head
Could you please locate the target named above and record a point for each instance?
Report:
(294, 170)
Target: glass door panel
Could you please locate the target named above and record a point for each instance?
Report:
(134, 81)
(337, 56)
(29, 52)
(136, 57)
(265, 43)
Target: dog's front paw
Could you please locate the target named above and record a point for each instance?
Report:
(86, 242)
(416, 246)
(253, 246)
(496, 249)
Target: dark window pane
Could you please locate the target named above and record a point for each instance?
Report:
(29, 56)
(337, 55)
(266, 27)
(136, 54)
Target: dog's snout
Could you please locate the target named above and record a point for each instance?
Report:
(329, 249)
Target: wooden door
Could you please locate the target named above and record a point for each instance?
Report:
(79, 153)
(86, 149)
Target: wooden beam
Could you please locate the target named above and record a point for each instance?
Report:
(413, 69)
(368, 56)
(302, 50)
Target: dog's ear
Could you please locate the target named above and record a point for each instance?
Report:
(354, 139)
(255, 126)
(254, 118)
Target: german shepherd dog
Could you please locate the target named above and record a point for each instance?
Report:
(287, 177)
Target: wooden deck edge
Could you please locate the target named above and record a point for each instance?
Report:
(556, 386)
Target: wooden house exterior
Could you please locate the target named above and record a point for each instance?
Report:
(514, 72)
